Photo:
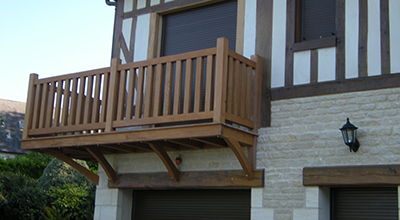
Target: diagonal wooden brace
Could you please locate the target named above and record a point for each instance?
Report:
(89, 174)
(160, 151)
(244, 161)
(111, 174)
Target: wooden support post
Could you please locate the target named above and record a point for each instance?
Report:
(89, 174)
(111, 174)
(112, 94)
(237, 149)
(160, 151)
(221, 68)
(29, 104)
(256, 107)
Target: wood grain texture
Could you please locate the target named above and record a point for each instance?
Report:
(290, 35)
(352, 175)
(111, 174)
(241, 156)
(341, 40)
(363, 39)
(162, 154)
(199, 179)
(314, 66)
(385, 37)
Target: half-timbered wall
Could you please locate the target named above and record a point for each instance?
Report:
(366, 44)
(302, 129)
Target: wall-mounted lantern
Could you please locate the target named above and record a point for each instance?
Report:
(349, 133)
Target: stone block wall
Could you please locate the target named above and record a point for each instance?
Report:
(305, 132)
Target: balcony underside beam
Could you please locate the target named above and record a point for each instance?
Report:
(160, 151)
(194, 179)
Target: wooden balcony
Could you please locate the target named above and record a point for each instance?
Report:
(197, 100)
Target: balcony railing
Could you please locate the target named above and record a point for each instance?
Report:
(212, 85)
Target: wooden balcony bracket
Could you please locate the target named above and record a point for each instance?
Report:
(241, 156)
(111, 174)
(59, 155)
(160, 151)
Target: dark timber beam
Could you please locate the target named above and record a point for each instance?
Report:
(103, 163)
(352, 175)
(160, 151)
(89, 174)
(189, 180)
(244, 161)
(188, 143)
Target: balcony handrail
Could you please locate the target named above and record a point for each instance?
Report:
(214, 84)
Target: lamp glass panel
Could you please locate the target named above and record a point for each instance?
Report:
(345, 137)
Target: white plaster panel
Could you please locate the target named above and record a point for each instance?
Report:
(141, 4)
(301, 67)
(326, 64)
(351, 36)
(154, 2)
(257, 197)
(97, 211)
(312, 197)
(249, 42)
(305, 214)
(278, 44)
(262, 214)
(103, 197)
(374, 38)
(394, 31)
(128, 5)
(142, 37)
(127, 30)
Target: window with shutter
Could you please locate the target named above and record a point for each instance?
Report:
(315, 19)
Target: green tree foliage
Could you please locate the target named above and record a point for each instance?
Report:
(31, 165)
(35, 186)
(58, 173)
(21, 198)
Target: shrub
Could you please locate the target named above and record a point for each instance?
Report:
(58, 173)
(21, 197)
(31, 165)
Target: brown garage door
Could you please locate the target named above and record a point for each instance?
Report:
(378, 203)
(191, 204)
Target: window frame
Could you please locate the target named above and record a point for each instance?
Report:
(299, 45)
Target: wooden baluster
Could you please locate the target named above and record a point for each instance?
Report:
(230, 94)
(237, 79)
(198, 84)
(188, 86)
(29, 108)
(157, 93)
(220, 80)
(177, 89)
(74, 100)
(249, 81)
(139, 102)
(167, 89)
(104, 97)
(57, 109)
(80, 107)
(42, 117)
(131, 94)
(50, 105)
(96, 101)
(148, 92)
(243, 89)
(88, 100)
(65, 108)
(121, 95)
(209, 83)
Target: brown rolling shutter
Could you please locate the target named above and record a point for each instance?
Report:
(199, 28)
(318, 19)
(365, 203)
(191, 204)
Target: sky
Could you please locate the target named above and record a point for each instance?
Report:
(51, 38)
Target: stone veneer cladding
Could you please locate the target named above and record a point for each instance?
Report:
(304, 132)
